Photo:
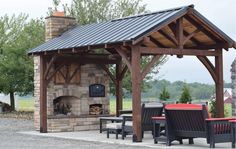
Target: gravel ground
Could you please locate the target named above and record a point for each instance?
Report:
(10, 139)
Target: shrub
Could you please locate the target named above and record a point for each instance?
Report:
(185, 96)
(164, 95)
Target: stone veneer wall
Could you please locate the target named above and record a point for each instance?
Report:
(233, 77)
(90, 74)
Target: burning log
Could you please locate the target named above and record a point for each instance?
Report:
(62, 108)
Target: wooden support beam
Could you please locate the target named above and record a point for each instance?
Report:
(148, 67)
(124, 57)
(172, 27)
(119, 99)
(193, 39)
(49, 76)
(136, 93)
(49, 66)
(74, 73)
(210, 67)
(188, 37)
(106, 69)
(172, 51)
(214, 46)
(124, 70)
(219, 84)
(43, 96)
(180, 33)
(169, 37)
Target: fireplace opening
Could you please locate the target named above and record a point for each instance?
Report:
(95, 109)
(63, 105)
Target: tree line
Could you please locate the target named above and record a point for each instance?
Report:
(175, 89)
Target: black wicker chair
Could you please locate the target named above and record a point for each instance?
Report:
(148, 111)
(189, 121)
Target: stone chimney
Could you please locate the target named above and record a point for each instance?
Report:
(233, 77)
(56, 24)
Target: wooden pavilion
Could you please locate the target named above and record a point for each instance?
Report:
(180, 31)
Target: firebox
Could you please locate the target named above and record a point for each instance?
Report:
(97, 90)
(95, 109)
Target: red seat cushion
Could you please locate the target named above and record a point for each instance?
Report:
(183, 106)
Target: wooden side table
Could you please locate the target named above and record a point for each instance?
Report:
(233, 127)
(157, 123)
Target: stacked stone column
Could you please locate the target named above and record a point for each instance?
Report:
(233, 77)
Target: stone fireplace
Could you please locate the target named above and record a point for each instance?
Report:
(76, 104)
(70, 107)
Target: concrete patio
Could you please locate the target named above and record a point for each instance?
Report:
(95, 136)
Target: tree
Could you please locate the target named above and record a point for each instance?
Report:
(94, 11)
(185, 96)
(164, 95)
(18, 35)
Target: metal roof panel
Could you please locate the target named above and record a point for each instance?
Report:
(117, 30)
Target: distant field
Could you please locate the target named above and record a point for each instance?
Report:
(28, 105)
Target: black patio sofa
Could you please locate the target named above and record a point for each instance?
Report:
(149, 110)
(189, 121)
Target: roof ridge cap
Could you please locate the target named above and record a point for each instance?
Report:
(155, 12)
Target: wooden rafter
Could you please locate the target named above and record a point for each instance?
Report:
(124, 57)
(106, 69)
(202, 29)
(173, 51)
(148, 67)
(207, 63)
(156, 42)
(168, 36)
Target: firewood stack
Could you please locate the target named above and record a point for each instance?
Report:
(95, 110)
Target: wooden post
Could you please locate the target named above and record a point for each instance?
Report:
(43, 96)
(119, 99)
(136, 94)
(219, 84)
(180, 36)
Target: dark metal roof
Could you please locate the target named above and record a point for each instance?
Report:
(114, 31)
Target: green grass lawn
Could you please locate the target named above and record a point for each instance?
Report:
(127, 105)
(26, 104)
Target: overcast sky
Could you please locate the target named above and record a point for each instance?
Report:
(189, 69)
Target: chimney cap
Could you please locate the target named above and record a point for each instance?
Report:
(58, 14)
